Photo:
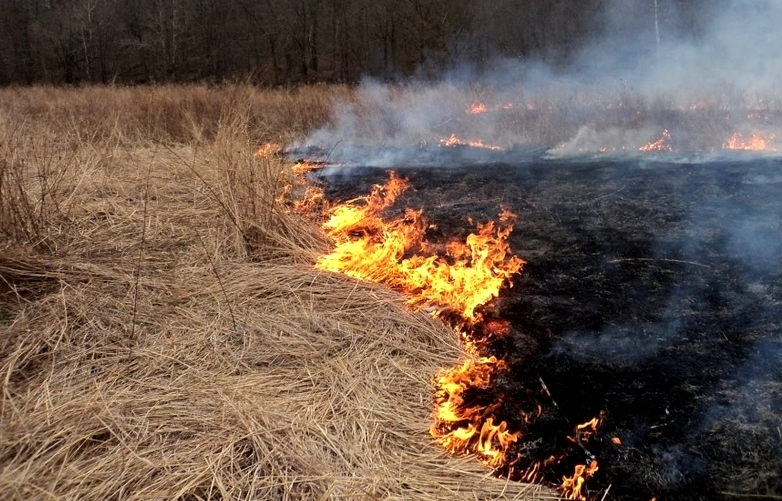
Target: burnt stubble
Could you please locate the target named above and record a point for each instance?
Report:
(651, 298)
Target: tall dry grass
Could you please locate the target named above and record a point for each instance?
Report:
(163, 334)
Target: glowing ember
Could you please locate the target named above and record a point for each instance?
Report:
(755, 142)
(455, 141)
(661, 144)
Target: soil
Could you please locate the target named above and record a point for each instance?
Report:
(651, 297)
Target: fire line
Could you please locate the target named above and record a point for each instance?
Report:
(453, 281)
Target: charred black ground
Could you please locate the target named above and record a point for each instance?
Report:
(651, 297)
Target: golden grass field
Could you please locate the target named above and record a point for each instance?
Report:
(163, 333)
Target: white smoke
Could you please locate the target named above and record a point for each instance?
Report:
(619, 93)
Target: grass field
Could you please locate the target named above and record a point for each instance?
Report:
(163, 334)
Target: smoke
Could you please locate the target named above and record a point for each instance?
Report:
(736, 56)
(703, 75)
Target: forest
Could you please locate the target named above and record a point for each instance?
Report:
(308, 41)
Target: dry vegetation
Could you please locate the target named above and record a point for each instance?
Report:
(163, 334)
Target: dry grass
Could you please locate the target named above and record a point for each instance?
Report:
(163, 334)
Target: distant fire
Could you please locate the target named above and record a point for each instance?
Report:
(662, 144)
(753, 142)
(480, 108)
(452, 140)
(477, 109)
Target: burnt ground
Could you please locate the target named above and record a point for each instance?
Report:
(652, 296)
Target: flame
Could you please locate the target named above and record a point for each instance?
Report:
(269, 150)
(571, 486)
(296, 192)
(304, 166)
(477, 109)
(703, 104)
(457, 276)
(312, 199)
(452, 140)
(616, 441)
(585, 431)
(463, 428)
(659, 145)
(755, 142)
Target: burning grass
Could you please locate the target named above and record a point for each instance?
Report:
(163, 333)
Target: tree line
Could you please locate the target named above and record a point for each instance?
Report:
(288, 42)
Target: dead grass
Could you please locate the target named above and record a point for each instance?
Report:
(163, 334)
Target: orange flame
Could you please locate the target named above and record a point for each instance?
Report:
(269, 150)
(312, 200)
(572, 486)
(469, 275)
(457, 276)
(463, 428)
(585, 431)
(756, 142)
(477, 109)
(452, 140)
(661, 144)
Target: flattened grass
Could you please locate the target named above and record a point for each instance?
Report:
(163, 334)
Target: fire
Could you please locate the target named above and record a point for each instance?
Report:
(457, 276)
(477, 109)
(755, 142)
(585, 431)
(455, 141)
(572, 486)
(661, 144)
(306, 166)
(269, 150)
(464, 428)
(312, 198)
